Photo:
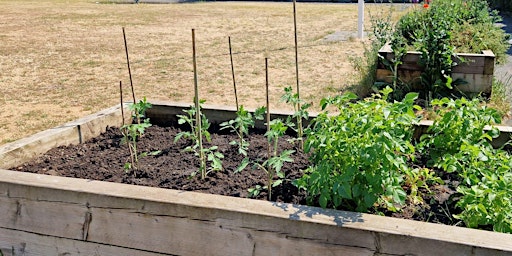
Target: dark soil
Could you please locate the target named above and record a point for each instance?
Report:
(103, 158)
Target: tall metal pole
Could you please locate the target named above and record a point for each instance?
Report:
(360, 19)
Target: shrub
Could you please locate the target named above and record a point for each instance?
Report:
(439, 32)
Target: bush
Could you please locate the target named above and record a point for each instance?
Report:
(439, 32)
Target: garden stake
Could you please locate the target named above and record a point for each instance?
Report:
(198, 110)
(299, 118)
(129, 69)
(121, 96)
(233, 72)
(269, 185)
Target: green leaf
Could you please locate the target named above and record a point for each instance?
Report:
(242, 165)
(277, 183)
(323, 201)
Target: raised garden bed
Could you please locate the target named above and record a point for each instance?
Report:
(56, 215)
(476, 69)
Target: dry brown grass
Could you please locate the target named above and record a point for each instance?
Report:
(60, 60)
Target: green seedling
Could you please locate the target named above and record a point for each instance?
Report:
(205, 155)
(254, 192)
(300, 113)
(240, 126)
(132, 132)
(272, 166)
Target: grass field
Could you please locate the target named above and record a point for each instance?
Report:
(60, 60)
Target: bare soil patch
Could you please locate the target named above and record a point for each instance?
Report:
(60, 60)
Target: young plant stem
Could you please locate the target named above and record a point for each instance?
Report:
(129, 69)
(198, 131)
(269, 168)
(299, 118)
(132, 160)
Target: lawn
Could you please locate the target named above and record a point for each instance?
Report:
(60, 60)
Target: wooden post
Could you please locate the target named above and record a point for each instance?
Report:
(233, 72)
(198, 110)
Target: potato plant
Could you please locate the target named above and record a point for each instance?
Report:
(360, 154)
(459, 142)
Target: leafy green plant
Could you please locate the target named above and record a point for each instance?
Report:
(459, 122)
(438, 33)
(486, 190)
(254, 192)
(418, 179)
(132, 132)
(139, 109)
(205, 155)
(272, 166)
(240, 126)
(459, 142)
(359, 155)
(300, 112)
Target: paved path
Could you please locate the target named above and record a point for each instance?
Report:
(504, 72)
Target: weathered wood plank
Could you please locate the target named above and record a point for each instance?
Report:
(477, 69)
(16, 242)
(18, 152)
(476, 83)
(173, 221)
(167, 234)
(51, 218)
(284, 244)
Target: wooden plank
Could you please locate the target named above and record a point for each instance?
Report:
(21, 151)
(164, 113)
(476, 82)
(284, 244)
(384, 75)
(50, 218)
(18, 152)
(93, 125)
(167, 212)
(167, 234)
(16, 242)
(477, 60)
(490, 62)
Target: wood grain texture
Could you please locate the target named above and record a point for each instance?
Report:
(188, 223)
(15, 243)
(18, 152)
(476, 69)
